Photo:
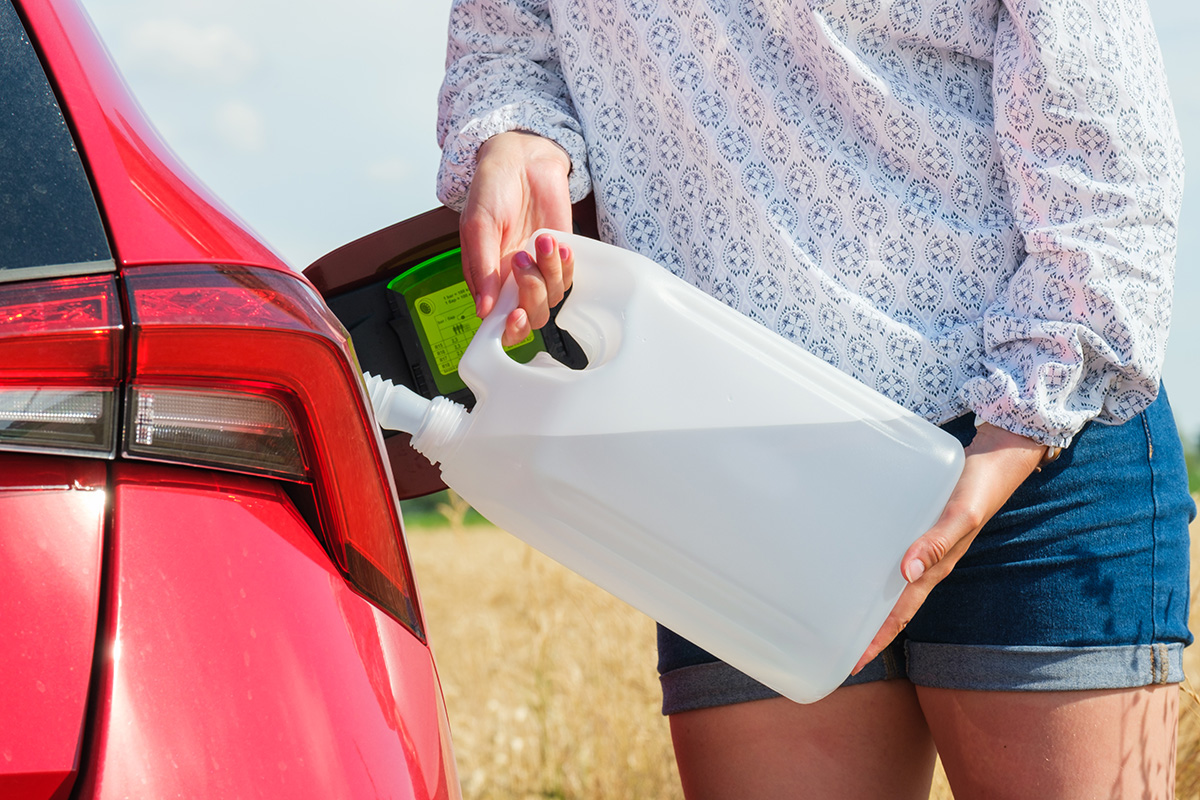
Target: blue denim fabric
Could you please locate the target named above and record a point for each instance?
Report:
(693, 678)
(1079, 582)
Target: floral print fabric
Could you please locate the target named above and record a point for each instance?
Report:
(968, 205)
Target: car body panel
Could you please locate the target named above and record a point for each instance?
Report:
(53, 521)
(226, 677)
(157, 211)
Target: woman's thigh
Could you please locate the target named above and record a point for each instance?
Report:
(849, 745)
(1083, 744)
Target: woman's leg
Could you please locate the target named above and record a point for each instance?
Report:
(1080, 582)
(867, 741)
(1108, 743)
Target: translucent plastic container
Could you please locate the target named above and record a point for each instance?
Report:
(719, 478)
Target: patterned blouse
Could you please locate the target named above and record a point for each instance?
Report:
(969, 205)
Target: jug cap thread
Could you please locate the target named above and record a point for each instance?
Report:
(443, 428)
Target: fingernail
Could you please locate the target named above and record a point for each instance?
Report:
(522, 260)
(545, 245)
(914, 571)
(564, 252)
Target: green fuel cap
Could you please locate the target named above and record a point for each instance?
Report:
(443, 314)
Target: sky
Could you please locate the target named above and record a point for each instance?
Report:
(314, 121)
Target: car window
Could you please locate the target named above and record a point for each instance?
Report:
(49, 224)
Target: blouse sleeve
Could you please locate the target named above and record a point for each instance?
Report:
(502, 74)
(1094, 171)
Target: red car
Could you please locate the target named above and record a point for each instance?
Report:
(206, 590)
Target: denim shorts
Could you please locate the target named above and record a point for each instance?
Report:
(1079, 582)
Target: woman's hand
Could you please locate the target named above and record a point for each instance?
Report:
(520, 185)
(997, 463)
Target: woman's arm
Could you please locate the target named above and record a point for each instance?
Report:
(1094, 171)
(1093, 167)
(513, 155)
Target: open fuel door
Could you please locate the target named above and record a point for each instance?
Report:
(400, 294)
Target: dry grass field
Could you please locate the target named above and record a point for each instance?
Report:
(551, 684)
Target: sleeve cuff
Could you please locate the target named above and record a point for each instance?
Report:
(460, 149)
(996, 400)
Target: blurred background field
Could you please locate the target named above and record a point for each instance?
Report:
(551, 684)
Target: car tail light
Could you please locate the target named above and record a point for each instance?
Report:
(221, 429)
(246, 368)
(60, 364)
(234, 367)
(57, 420)
(240, 368)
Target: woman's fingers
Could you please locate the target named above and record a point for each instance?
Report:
(535, 282)
(541, 285)
(551, 266)
(516, 328)
(481, 242)
(568, 267)
(962, 518)
(531, 299)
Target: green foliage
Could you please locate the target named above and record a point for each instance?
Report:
(1191, 451)
(438, 510)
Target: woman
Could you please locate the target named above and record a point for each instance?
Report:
(970, 207)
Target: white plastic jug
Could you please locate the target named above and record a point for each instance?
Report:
(712, 474)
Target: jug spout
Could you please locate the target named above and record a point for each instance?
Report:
(443, 429)
(437, 426)
(397, 408)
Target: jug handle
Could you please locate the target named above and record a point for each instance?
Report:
(587, 313)
(594, 332)
(485, 353)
